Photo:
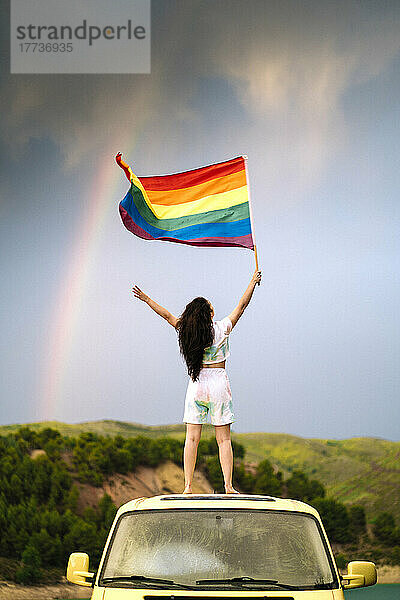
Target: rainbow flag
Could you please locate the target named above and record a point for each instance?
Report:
(208, 206)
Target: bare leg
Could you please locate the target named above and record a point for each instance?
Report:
(193, 433)
(223, 437)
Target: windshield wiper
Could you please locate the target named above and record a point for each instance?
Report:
(148, 580)
(246, 580)
(251, 581)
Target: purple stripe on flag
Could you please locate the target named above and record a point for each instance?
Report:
(244, 241)
(131, 225)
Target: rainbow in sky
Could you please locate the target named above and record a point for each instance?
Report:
(71, 292)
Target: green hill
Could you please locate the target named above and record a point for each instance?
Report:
(355, 471)
(105, 427)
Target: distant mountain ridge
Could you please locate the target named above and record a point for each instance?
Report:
(103, 427)
(355, 471)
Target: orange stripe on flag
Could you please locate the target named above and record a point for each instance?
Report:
(197, 192)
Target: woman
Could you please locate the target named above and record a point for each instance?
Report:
(204, 344)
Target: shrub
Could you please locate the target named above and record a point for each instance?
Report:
(341, 561)
(214, 474)
(107, 512)
(299, 487)
(266, 482)
(395, 555)
(242, 478)
(29, 572)
(238, 449)
(335, 518)
(358, 522)
(384, 528)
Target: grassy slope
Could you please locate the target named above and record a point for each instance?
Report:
(357, 470)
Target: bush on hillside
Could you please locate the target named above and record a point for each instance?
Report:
(385, 529)
(29, 572)
(266, 481)
(394, 555)
(335, 519)
(95, 456)
(214, 474)
(243, 480)
(300, 487)
(341, 561)
(358, 521)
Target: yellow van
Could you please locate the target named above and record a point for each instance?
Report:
(201, 547)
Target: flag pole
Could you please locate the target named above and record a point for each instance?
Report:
(250, 209)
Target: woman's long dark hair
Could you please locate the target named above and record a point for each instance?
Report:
(195, 333)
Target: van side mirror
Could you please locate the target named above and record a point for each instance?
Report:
(360, 573)
(78, 569)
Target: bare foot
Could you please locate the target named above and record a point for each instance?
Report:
(231, 490)
(187, 490)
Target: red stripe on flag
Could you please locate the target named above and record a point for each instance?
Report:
(193, 177)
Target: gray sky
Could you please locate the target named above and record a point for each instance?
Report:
(310, 92)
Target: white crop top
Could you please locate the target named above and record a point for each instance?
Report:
(219, 350)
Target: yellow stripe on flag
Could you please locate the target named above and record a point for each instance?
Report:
(214, 202)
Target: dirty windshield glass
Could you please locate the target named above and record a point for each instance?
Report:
(186, 546)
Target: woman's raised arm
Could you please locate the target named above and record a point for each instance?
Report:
(245, 299)
(160, 310)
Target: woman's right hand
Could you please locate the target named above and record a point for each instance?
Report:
(137, 292)
(256, 277)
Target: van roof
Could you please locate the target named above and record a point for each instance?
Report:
(232, 501)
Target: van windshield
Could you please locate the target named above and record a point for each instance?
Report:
(187, 546)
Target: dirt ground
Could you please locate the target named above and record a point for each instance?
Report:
(389, 574)
(167, 478)
(9, 591)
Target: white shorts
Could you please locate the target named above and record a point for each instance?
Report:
(210, 394)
